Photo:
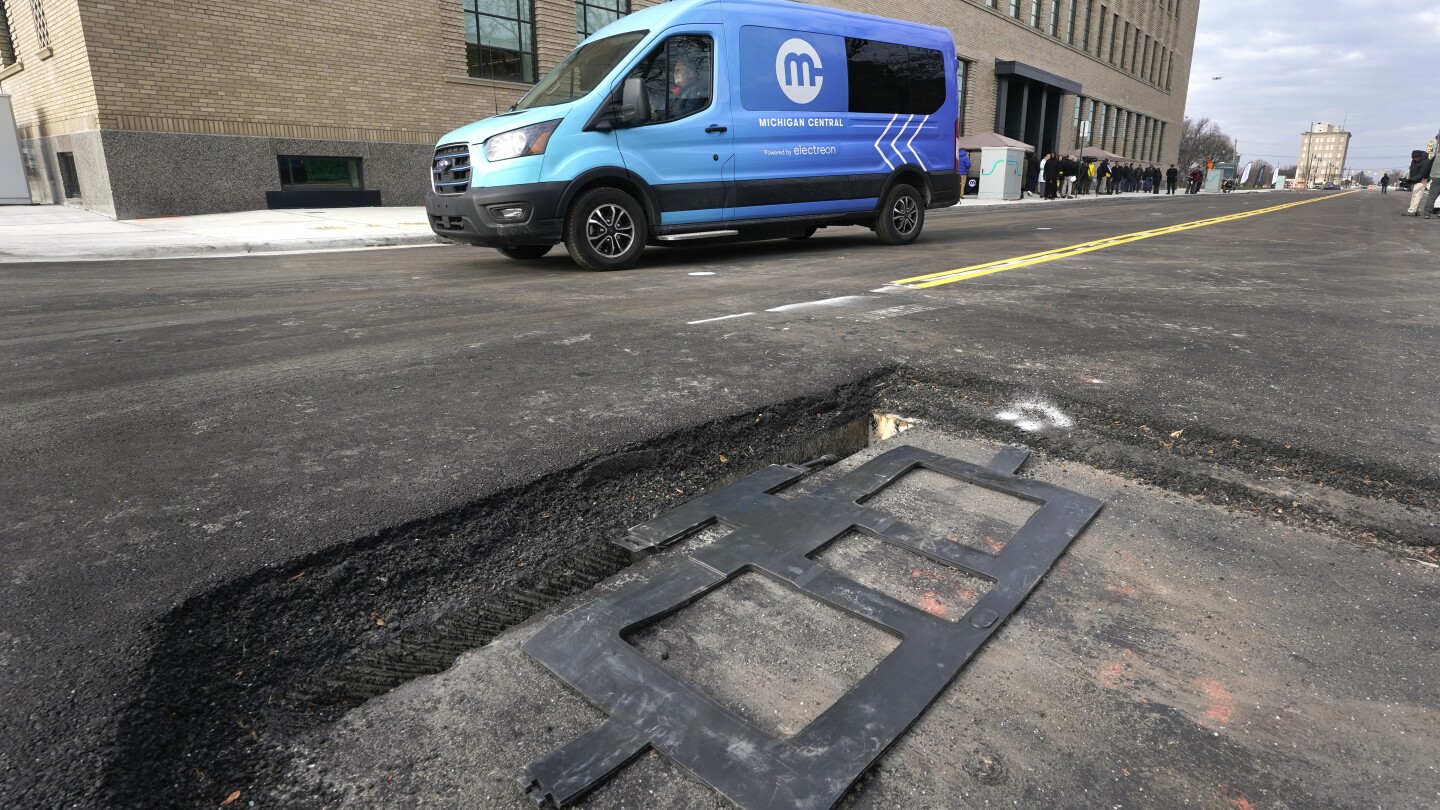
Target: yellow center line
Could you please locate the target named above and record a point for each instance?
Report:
(1000, 266)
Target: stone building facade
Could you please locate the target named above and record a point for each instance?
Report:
(1323, 152)
(140, 108)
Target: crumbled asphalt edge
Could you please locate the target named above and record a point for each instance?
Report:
(1372, 503)
(235, 673)
(239, 671)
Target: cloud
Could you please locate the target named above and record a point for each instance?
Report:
(1429, 19)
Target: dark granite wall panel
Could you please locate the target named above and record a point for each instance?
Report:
(170, 174)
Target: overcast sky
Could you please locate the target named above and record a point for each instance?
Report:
(1372, 65)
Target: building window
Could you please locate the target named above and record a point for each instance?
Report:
(1114, 35)
(1015, 9)
(1089, 15)
(1034, 13)
(1070, 22)
(309, 172)
(7, 42)
(592, 15)
(1100, 35)
(1135, 62)
(42, 32)
(1125, 46)
(1075, 120)
(1098, 131)
(69, 178)
(962, 81)
(1054, 29)
(1089, 136)
(500, 39)
(991, 3)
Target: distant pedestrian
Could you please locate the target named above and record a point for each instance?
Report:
(1419, 177)
(962, 164)
(1050, 173)
(1197, 178)
(1384, 183)
(1172, 175)
(1069, 171)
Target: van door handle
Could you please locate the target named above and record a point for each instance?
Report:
(716, 128)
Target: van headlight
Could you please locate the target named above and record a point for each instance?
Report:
(520, 142)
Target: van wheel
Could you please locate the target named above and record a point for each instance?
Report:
(605, 230)
(901, 216)
(525, 252)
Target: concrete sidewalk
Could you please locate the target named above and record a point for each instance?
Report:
(46, 233)
(34, 233)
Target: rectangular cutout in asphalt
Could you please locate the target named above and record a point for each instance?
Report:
(773, 655)
(733, 748)
(949, 508)
(944, 592)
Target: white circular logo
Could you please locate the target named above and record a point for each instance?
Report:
(797, 69)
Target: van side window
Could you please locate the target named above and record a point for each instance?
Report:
(678, 76)
(888, 78)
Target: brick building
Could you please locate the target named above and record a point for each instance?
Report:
(142, 108)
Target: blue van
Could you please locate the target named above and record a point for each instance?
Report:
(711, 119)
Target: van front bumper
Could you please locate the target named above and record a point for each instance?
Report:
(477, 215)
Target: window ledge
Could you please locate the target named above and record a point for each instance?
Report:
(11, 70)
(46, 52)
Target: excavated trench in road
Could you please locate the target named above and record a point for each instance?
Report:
(236, 673)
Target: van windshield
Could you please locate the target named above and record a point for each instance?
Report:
(581, 71)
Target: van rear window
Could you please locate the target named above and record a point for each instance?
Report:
(890, 78)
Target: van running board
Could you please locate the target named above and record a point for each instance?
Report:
(680, 237)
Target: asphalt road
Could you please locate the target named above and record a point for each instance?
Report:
(172, 428)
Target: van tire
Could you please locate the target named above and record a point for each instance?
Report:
(605, 230)
(902, 215)
(525, 252)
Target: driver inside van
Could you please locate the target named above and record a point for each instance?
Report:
(688, 92)
(677, 77)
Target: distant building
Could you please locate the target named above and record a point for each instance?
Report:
(139, 108)
(1322, 154)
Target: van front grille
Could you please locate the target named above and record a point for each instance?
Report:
(450, 171)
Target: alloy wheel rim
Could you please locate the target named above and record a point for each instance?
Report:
(906, 215)
(610, 230)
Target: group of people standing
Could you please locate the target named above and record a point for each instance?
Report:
(1066, 176)
(1424, 179)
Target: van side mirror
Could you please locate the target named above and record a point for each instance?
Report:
(634, 103)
